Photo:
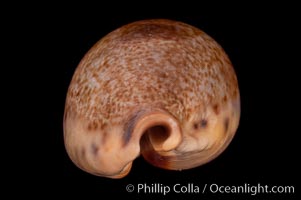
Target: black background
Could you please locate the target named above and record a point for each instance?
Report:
(260, 43)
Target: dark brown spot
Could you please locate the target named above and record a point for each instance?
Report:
(216, 109)
(92, 126)
(186, 80)
(225, 99)
(103, 126)
(94, 149)
(163, 75)
(89, 127)
(226, 124)
(204, 123)
(195, 126)
(76, 93)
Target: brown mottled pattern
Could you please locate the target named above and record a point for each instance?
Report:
(158, 63)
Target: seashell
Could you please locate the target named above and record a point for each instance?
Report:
(158, 88)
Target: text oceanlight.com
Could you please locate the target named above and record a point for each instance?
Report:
(192, 188)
